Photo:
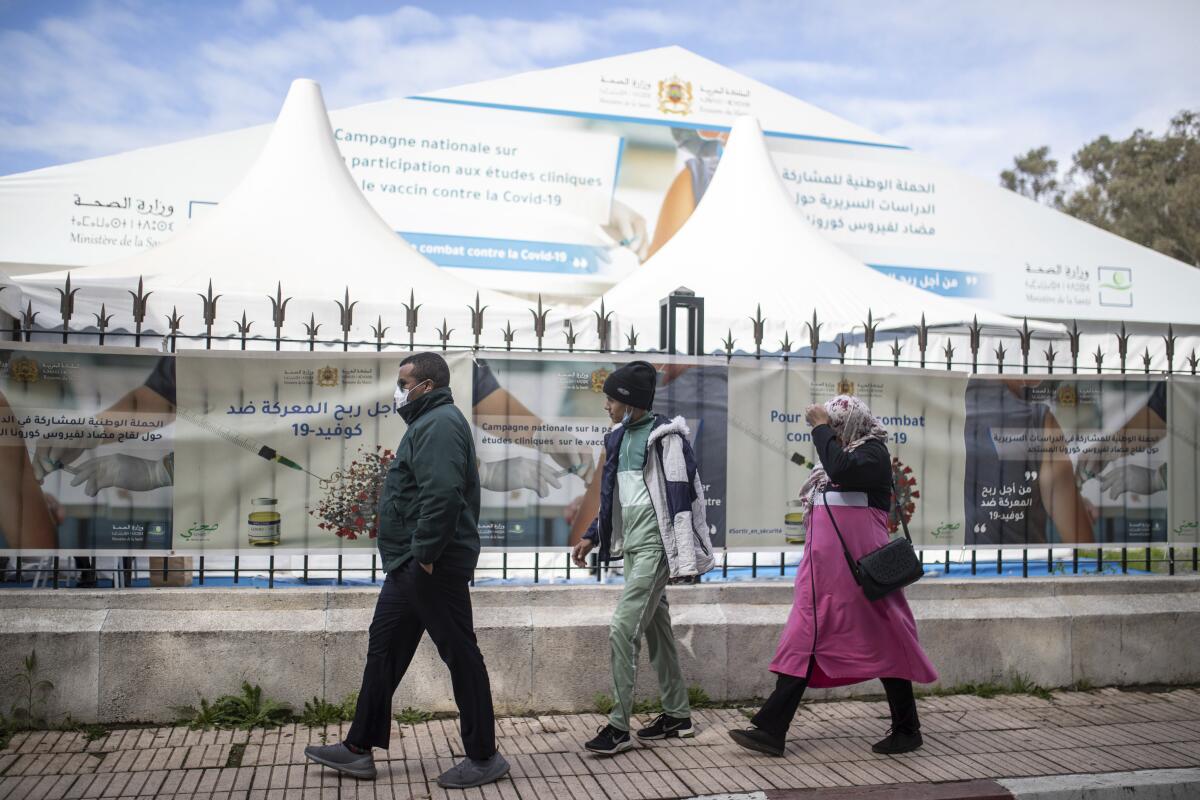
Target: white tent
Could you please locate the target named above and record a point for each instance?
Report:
(297, 220)
(747, 246)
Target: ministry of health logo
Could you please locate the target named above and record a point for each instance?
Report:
(327, 376)
(24, 370)
(675, 96)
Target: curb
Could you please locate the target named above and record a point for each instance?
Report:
(1153, 784)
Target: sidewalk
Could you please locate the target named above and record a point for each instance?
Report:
(967, 739)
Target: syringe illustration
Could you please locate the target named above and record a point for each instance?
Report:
(244, 442)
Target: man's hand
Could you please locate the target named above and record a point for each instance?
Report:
(427, 567)
(579, 553)
(1093, 461)
(816, 415)
(64, 445)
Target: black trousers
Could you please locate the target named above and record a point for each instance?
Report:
(411, 603)
(777, 712)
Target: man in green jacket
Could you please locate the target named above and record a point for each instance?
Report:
(429, 543)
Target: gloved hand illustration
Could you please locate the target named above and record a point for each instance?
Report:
(576, 462)
(122, 472)
(518, 472)
(1133, 479)
(63, 445)
(627, 228)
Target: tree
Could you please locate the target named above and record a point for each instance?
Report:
(1145, 188)
(1034, 175)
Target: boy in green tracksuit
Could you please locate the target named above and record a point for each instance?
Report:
(652, 516)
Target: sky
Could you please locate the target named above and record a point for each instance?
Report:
(968, 82)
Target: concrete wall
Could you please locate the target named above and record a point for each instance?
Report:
(129, 655)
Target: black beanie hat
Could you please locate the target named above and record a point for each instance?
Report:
(633, 384)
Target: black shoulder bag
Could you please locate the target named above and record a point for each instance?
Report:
(888, 568)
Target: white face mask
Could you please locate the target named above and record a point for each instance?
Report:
(401, 395)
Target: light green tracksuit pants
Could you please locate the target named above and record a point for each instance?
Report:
(643, 610)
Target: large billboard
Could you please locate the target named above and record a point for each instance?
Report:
(570, 178)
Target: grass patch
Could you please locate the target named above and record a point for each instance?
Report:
(236, 752)
(603, 704)
(319, 713)
(1017, 683)
(697, 698)
(246, 710)
(92, 733)
(413, 716)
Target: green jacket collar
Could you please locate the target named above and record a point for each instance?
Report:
(426, 402)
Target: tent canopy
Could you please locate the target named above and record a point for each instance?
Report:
(297, 221)
(747, 246)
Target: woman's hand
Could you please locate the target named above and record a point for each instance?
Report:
(816, 415)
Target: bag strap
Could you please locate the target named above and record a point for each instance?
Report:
(900, 511)
(850, 562)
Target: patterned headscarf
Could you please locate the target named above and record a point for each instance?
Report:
(854, 424)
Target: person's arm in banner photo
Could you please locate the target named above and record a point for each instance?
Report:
(1145, 428)
(26, 522)
(493, 400)
(1059, 492)
(156, 395)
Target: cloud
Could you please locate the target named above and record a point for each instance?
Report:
(773, 70)
(89, 86)
(968, 83)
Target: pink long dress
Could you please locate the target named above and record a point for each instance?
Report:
(850, 638)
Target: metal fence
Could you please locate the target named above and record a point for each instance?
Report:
(862, 347)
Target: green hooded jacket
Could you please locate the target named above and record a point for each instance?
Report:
(429, 505)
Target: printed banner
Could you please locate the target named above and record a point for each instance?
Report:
(771, 451)
(287, 452)
(86, 450)
(1066, 461)
(1183, 476)
(121, 451)
(540, 425)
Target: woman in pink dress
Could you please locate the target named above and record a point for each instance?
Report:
(834, 635)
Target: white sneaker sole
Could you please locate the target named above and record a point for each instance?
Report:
(686, 733)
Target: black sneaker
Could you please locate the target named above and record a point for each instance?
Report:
(897, 742)
(667, 727)
(610, 741)
(758, 740)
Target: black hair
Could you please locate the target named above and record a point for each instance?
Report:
(429, 367)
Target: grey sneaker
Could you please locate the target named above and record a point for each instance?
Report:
(471, 772)
(339, 757)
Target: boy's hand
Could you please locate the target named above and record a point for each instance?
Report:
(579, 553)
